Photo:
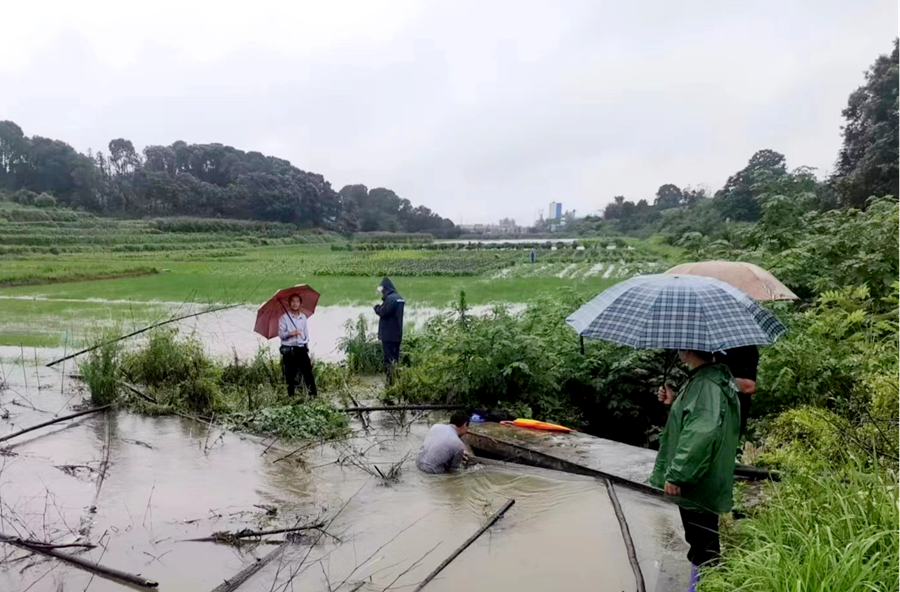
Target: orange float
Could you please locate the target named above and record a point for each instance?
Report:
(538, 425)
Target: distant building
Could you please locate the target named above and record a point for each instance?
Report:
(508, 226)
(555, 210)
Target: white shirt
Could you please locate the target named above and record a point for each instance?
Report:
(442, 450)
(288, 323)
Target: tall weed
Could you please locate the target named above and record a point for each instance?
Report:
(363, 350)
(100, 370)
(834, 531)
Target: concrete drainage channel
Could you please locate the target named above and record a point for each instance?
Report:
(649, 524)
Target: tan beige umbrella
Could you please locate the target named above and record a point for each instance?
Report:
(751, 279)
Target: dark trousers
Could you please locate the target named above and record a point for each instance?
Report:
(745, 410)
(701, 531)
(391, 351)
(296, 365)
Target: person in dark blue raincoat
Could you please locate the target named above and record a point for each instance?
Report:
(390, 324)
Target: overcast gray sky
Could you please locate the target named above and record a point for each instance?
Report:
(478, 110)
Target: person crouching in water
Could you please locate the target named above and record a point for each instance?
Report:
(443, 450)
(294, 334)
(695, 462)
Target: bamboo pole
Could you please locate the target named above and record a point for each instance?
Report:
(248, 572)
(52, 421)
(404, 408)
(139, 331)
(138, 392)
(251, 533)
(497, 515)
(106, 572)
(640, 586)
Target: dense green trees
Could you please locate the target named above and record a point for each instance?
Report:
(737, 200)
(206, 180)
(868, 162)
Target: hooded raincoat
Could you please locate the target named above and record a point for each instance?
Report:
(390, 313)
(696, 448)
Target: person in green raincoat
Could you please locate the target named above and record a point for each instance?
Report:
(695, 462)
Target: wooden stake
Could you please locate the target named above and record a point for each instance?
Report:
(497, 515)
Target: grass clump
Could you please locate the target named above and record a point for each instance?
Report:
(314, 420)
(178, 370)
(100, 371)
(363, 350)
(253, 383)
(833, 531)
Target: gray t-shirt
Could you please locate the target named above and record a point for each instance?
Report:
(442, 450)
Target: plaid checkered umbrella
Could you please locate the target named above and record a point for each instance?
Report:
(668, 311)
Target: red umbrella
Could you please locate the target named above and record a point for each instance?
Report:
(268, 314)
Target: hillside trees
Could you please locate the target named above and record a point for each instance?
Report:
(204, 180)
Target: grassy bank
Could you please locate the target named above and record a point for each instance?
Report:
(816, 531)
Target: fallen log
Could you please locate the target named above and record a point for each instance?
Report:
(100, 570)
(497, 515)
(248, 572)
(404, 408)
(245, 534)
(138, 332)
(53, 421)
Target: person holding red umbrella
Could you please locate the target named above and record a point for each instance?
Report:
(284, 315)
(294, 334)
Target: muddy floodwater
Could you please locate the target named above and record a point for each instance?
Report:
(229, 332)
(166, 479)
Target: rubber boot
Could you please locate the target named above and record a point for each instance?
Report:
(695, 577)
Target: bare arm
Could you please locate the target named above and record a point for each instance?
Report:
(745, 385)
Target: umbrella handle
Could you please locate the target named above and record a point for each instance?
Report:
(669, 366)
(284, 308)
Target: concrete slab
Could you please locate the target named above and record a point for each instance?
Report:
(575, 452)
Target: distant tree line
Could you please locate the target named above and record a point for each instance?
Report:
(866, 168)
(203, 180)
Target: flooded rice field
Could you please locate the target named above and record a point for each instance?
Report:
(224, 333)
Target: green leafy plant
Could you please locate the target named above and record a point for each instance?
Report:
(362, 348)
(313, 420)
(100, 370)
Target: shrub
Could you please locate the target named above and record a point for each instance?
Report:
(45, 200)
(838, 354)
(100, 371)
(363, 350)
(532, 361)
(179, 369)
